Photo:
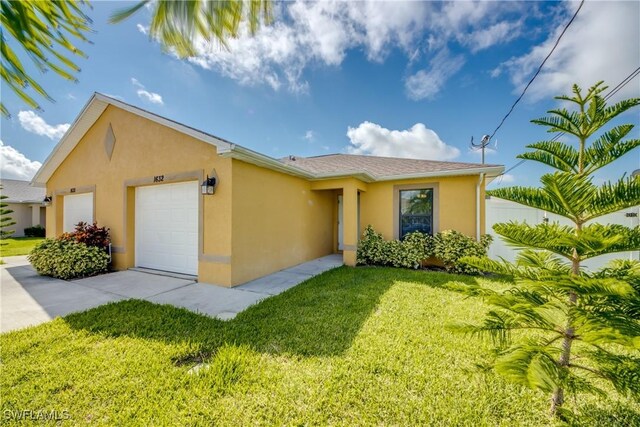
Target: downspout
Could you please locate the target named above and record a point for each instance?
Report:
(478, 205)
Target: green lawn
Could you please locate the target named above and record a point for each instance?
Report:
(354, 346)
(18, 245)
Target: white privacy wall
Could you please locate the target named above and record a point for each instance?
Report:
(500, 210)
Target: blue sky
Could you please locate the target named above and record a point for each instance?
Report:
(410, 79)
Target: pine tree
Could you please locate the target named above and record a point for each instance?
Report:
(562, 328)
(5, 219)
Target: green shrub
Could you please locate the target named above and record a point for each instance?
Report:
(35, 231)
(447, 246)
(374, 250)
(67, 259)
(371, 248)
(450, 245)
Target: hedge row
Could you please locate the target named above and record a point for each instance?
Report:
(447, 247)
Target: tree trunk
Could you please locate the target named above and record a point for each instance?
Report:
(557, 400)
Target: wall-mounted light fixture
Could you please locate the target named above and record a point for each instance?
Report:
(209, 185)
(47, 201)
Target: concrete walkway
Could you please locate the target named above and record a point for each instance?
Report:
(27, 299)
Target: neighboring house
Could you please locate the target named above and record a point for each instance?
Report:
(140, 175)
(500, 210)
(26, 203)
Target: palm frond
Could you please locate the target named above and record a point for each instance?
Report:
(180, 25)
(622, 371)
(553, 153)
(533, 197)
(611, 112)
(43, 30)
(571, 191)
(608, 148)
(598, 239)
(532, 365)
(612, 197)
(552, 237)
(563, 121)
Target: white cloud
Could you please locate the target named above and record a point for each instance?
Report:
(309, 136)
(419, 142)
(506, 178)
(143, 29)
(114, 96)
(31, 122)
(603, 43)
(474, 23)
(425, 84)
(458, 14)
(314, 33)
(499, 33)
(15, 165)
(310, 34)
(152, 97)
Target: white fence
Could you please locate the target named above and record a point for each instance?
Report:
(500, 210)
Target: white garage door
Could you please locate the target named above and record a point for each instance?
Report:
(76, 208)
(167, 227)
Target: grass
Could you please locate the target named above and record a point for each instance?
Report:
(365, 346)
(18, 245)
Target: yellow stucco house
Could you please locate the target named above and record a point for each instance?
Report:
(141, 174)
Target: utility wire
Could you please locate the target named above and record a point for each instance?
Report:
(539, 69)
(612, 92)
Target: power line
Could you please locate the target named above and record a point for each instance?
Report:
(611, 93)
(622, 83)
(539, 69)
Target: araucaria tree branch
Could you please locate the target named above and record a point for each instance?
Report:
(600, 309)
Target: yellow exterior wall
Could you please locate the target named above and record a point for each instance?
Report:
(456, 205)
(144, 149)
(258, 222)
(278, 221)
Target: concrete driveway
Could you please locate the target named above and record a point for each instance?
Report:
(27, 299)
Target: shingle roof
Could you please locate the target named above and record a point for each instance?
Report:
(374, 165)
(21, 192)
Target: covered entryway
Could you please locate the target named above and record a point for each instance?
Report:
(77, 208)
(341, 220)
(166, 227)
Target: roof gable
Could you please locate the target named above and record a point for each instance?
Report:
(88, 116)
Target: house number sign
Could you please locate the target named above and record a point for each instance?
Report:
(158, 178)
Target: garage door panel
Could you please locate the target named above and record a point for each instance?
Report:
(181, 238)
(167, 227)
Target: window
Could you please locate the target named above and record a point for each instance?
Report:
(416, 211)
